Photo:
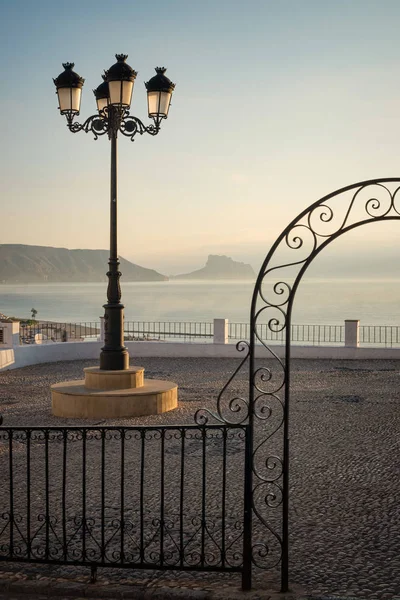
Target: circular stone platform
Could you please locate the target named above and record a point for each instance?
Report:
(113, 394)
(97, 379)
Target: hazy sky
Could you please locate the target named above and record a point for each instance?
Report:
(276, 104)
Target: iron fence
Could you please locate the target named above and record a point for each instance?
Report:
(164, 330)
(389, 335)
(58, 332)
(1, 335)
(311, 334)
(134, 497)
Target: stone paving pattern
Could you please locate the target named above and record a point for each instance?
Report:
(345, 484)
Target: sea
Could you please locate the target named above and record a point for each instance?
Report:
(318, 301)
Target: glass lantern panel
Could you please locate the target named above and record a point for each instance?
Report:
(69, 99)
(153, 101)
(120, 92)
(102, 103)
(165, 101)
(114, 88)
(127, 89)
(158, 103)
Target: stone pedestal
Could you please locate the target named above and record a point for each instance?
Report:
(113, 394)
(352, 333)
(221, 331)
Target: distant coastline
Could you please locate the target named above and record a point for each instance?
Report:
(24, 264)
(21, 263)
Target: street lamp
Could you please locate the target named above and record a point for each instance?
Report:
(113, 98)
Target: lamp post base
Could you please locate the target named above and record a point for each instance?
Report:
(114, 360)
(114, 355)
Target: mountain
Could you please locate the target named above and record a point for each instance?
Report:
(220, 267)
(20, 263)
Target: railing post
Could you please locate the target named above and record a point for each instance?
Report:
(11, 334)
(220, 331)
(101, 329)
(352, 333)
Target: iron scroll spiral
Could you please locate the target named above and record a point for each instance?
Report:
(231, 411)
(102, 124)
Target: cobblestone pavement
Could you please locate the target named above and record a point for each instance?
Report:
(345, 484)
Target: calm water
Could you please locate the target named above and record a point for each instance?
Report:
(318, 301)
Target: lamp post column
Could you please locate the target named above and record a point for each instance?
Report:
(114, 355)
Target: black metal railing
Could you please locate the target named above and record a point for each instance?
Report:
(164, 330)
(2, 335)
(137, 497)
(310, 334)
(186, 331)
(388, 335)
(58, 332)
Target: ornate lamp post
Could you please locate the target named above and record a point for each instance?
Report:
(113, 98)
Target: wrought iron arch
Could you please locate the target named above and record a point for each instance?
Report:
(275, 290)
(266, 408)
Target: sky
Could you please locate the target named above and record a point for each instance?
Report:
(276, 104)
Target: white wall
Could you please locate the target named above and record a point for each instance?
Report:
(22, 356)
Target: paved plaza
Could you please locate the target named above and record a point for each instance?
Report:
(344, 485)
